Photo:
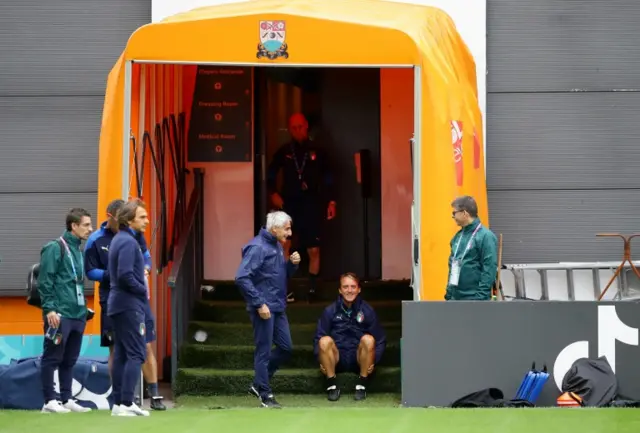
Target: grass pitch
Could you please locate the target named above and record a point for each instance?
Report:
(313, 414)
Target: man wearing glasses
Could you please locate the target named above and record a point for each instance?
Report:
(473, 262)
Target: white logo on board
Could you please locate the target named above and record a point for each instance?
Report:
(610, 330)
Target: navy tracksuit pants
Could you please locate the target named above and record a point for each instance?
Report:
(266, 333)
(130, 352)
(62, 356)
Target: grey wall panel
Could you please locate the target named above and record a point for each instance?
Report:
(64, 47)
(555, 226)
(563, 140)
(49, 144)
(559, 45)
(26, 224)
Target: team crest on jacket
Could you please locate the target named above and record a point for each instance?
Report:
(360, 317)
(143, 329)
(272, 40)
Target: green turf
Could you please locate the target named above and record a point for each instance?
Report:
(327, 290)
(242, 333)
(223, 363)
(247, 401)
(343, 418)
(241, 357)
(200, 381)
(235, 312)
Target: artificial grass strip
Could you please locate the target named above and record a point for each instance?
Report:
(241, 357)
(199, 381)
(235, 312)
(326, 291)
(242, 333)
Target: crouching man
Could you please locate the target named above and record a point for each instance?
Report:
(348, 338)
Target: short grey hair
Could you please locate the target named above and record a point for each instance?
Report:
(277, 219)
(466, 203)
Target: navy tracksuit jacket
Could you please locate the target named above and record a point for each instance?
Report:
(126, 307)
(263, 273)
(262, 278)
(346, 326)
(96, 259)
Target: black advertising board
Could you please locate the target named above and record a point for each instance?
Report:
(220, 124)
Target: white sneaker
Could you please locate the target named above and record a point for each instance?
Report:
(115, 410)
(54, 406)
(132, 410)
(75, 407)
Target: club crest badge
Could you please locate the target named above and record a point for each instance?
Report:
(360, 317)
(57, 339)
(143, 329)
(272, 43)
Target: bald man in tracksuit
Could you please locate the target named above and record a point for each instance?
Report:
(307, 192)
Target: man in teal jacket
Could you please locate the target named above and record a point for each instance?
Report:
(64, 309)
(473, 262)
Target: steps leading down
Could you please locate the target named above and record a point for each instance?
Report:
(222, 364)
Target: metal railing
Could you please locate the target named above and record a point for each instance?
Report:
(572, 280)
(187, 270)
(598, 271)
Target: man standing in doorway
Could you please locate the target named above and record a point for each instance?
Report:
(96, 258)
(61, 289)
(473, 262)
(262, 279)
(307, 191)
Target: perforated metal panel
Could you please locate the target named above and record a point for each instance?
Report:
(560, 45)
(27, 222)
(55, 56)
(49, 144)
(561, 226)
(563, 140)
(64, 47)
(562, 146)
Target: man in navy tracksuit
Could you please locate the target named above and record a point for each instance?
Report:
(262, 279)
(126, 307)
(349, 338)
(96, 260)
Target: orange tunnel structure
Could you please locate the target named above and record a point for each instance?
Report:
(150, 90)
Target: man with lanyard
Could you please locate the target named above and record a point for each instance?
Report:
(96, 257)
(307, 191)
(473, 263)
(61, 289)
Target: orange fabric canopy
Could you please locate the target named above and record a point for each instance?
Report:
(337, 32)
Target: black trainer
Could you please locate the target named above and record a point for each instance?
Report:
(361, 393)
(270, 402)
(333, 393)
(156, 403)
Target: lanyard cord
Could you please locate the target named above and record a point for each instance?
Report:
(73, 264)
(468, 243)
(299, 168)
